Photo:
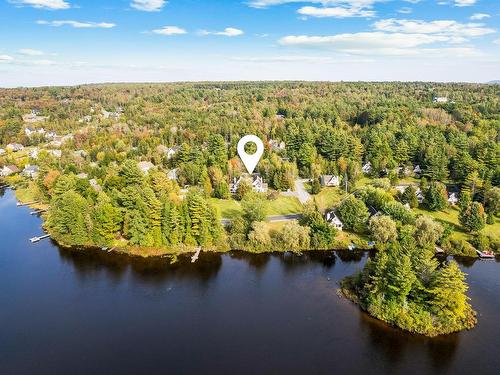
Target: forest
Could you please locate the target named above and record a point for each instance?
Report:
(152, 169)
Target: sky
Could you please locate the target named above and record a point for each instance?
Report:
(69, 42)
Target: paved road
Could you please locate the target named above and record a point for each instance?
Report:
(300, 192)
(284, 217)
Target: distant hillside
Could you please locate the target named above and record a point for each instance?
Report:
(495, 82)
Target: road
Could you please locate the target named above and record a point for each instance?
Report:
(300, 191)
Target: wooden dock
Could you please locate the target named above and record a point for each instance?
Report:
(485, 255)
(36, 239)
(19, 204)
(196, 255)
(37, 212)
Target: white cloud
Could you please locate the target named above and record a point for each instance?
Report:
(363, 41)
(453, 29)
(413, 1)
(479, 16)
(44, 4)
(380, 43)
(228, 31)
(337, 12)
(345, 3)
(170, 30)
(78, 24)
(6, 58)
(30, 52)
(464, 3)
(496, 41)
(148, 5)
(405, 10)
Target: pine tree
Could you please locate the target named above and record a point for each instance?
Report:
(106, 221)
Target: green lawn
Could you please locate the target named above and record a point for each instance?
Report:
(283, 206)
(328, 197)
(230, 208)
(450, 217)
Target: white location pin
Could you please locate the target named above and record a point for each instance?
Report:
(250, 161)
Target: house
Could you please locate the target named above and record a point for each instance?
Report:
(51, 134)
(257, 182)
(440, 99)
(367, 168)
(417, 170)
(56, 143)
(95, 185)
(14, 147)
(172, 174)
(33, 117)
(420, 196)
(452, 198)
(2, 151)
(86, 118)
(56, 153)
(373, 211)
(258, 185)
(30, 171)
(280, 117)
(80, 153)
(145, 166)
(30, 131)
(329, 180)
(82, 176)
(168, 151)
(34, 153)
(8, 170)
(333, 220)
(277, 145)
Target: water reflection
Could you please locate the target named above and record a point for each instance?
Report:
(87, 263)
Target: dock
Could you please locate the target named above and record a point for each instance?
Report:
(196, 255)
(36, 239)
(19, 204)
(485, 255)
(37, 212)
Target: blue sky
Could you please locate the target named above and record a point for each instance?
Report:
(63, 42)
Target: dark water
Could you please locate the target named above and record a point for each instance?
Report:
(80, 313)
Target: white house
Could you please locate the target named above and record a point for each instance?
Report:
(172, 174)
(367, 168)
(56, 153)
(258, 185)
(8, 170)
(29, 131)
(329, 180)
(420, 196)
(277, 145)
(80, 153)
(82, 176)
(452, 199)
(2, 151)
(333, 220)
(30, 171)
(145, 166)
(440, 99)
(171, 151)
(51, 134)
(14, 147)
(33, 117)
(257, 182)
(95, 185)
(34, 153)
(417, 170)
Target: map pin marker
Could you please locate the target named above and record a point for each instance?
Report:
(250, 161)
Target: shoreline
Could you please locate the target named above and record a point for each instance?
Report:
(145, 252)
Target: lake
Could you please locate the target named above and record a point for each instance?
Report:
(83, 312)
